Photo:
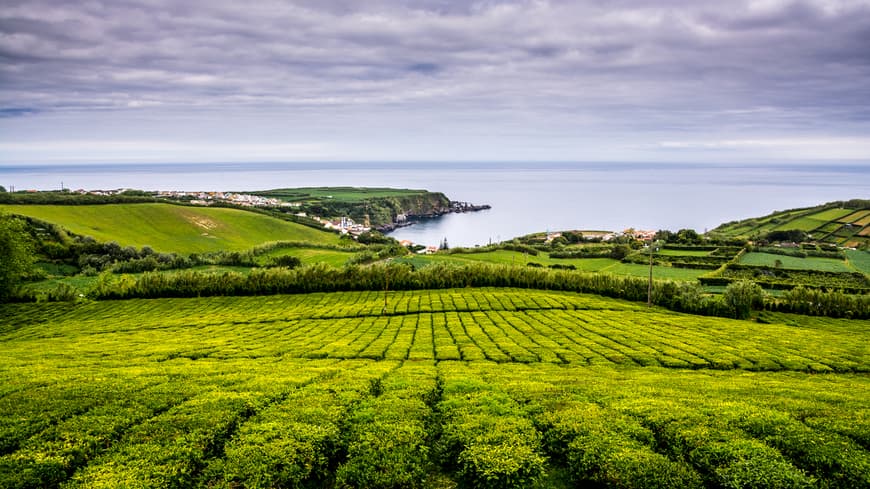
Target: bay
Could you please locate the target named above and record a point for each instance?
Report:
(525, 197)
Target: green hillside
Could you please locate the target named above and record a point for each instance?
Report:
(482, 388)
(840, 223)
(172, 228)
(380, 205)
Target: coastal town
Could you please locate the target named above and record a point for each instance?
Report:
(344, 224)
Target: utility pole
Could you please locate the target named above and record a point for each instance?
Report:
(652, 246)
(386, 285)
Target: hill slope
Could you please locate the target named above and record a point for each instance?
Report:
(509, 388)
(172, 228)
(841, 223)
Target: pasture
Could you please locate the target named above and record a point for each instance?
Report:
(173, 228)
(605, 265)
(796, 263)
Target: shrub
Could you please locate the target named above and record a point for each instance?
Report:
(742, 297)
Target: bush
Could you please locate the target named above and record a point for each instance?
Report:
(16, 256)
(742, 297)
(620, 251)
(287, 261)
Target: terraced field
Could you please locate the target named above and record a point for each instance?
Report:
(452, 388)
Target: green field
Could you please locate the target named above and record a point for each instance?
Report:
(859, 260)
(683, 252)
(795, 263)
(606, 265)
(335, 258)
(340, 194)
(471, 388)
(173, 228)
(815, 220)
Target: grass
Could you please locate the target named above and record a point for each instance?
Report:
(795, 263)
(818, 220)
(857, 217)
(607, 265)
(682, 252)
(301, 390)
(831, 214)
(173, 228)
(859, 260)
(341, 194)
(802, 224)
(659, 272)
(310, 255)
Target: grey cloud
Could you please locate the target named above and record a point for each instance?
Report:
(623, 65)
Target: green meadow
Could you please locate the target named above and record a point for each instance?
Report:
(796, 263)
(340, 194)
(173, 228)
(605, 265)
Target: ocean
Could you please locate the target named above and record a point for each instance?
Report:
(525, 197)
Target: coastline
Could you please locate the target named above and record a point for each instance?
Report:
(456, 207)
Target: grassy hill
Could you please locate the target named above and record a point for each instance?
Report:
(380, 205)
(485, 388)
(172, 228)
(841, 223)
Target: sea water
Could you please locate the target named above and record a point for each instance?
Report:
(525, 197)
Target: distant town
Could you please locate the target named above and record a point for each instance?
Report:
(344, 224)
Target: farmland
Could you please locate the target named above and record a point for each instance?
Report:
(462, 387)
(172, 228)
(840, 223)
(797, 263)
(604, 265)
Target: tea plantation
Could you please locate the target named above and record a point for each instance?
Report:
(468, 388)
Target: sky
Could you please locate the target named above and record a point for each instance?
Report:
(434, 80)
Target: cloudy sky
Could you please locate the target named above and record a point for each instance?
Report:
(596, 80)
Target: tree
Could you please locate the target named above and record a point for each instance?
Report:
(664, 235)
(2, 189)
(288, 261)
(15, 254)
(620, 251)
(688, 236)
(742, 296)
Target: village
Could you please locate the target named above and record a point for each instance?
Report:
(343, 225)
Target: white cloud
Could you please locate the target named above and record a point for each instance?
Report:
(803, 148)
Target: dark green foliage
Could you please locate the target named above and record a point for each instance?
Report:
(742, 297)
(287, 261)
(790, 236)
(781, 278)
(815, 302)
(510, 246)
(593, 251)
(16, 256)
(801, 252)
(374, 237)
(620, 251)
(323, 278)
(67, 198)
